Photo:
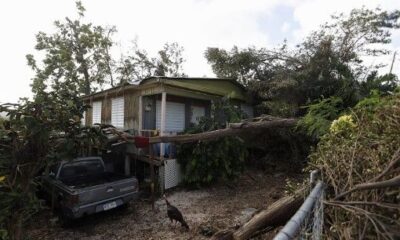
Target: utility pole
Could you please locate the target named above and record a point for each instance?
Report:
(394, 58)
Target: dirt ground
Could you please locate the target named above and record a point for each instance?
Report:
(206, 211)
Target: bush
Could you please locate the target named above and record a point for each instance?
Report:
(206, 162)
(318, 119)
(1, 122)
(37, 134)
(356, 150)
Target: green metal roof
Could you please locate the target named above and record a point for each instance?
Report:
(216, 86)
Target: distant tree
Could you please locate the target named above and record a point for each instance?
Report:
(170, 60)
(139, 65)
(244, 65)
(77, 52)
(385, 84)
(328, 63)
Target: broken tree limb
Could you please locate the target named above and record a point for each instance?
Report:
(395, 159)
(393, 182)
(233, 130)
(374, 184)
(275, 215)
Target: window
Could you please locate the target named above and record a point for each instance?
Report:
(81, 168)
(248, 110)
(197, 113)
(117, 112)
(175, 116)
(96, 118)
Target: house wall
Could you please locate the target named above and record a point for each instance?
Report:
(131, 111)
(149, 117)
(131, 106)
(88, 113)
(151, 92)
(106, 111)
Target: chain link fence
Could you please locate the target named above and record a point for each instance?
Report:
(313, 223)
(308, 221)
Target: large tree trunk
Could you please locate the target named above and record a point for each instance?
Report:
(233, 130)
(275, 215)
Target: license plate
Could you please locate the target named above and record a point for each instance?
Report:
(109, 206)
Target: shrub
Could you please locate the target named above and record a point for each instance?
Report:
(37, 134)
(318, 119)
(362, 147)
(206, 162)
(342, 124)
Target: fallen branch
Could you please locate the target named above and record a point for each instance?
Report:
(393, 182)
(370, 216)
(393, 162)
(377, 204)
(275, 215)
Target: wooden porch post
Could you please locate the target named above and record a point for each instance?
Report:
(140, 117)
(163, 121)
(152, 176)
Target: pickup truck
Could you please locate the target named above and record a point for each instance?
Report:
(82, 186)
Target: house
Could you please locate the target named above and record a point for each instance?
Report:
(140, 107)
(166, 104)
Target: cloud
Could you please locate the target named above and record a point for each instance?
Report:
(311, 14)
(285, 27)
(194, 24)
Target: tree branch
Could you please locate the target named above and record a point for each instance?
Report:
(393, 162)
(393, 182)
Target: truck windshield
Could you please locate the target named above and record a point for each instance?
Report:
(81, 168)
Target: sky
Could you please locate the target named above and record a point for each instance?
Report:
(194, 24)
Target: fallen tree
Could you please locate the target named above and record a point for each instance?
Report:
(280, 211)
(233, 129)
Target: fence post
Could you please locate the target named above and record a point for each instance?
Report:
(292, 227)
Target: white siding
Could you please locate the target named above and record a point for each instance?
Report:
(248, 109)
(197, 113)
(175, 116)
(83, 119)
(117, 112)
(96, 118)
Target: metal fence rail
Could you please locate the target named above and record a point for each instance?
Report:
(308, 221)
